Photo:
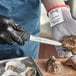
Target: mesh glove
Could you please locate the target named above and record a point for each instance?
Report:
(62, 25)
(11, 32)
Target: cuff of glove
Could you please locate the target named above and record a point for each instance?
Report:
(55, 14)
(66, 6)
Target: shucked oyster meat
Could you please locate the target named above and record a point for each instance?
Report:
(30, 71)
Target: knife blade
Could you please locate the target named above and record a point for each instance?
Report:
(38, 39)
(44, 40)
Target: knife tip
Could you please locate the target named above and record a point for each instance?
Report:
(59, 44)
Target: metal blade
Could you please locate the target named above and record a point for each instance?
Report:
(44, 40)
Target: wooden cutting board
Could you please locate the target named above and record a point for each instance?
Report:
(68, 70)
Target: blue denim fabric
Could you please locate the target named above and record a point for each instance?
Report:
(26, 13)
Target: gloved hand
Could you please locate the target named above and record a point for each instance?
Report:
(11, 32)
(62, 25)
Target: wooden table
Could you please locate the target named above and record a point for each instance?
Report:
(68, 71)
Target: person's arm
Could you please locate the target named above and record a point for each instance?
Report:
(62, 23)
(52, 3)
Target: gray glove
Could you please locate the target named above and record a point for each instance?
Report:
(63, 25)
(11, 32)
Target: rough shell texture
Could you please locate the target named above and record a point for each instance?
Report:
(69, 42)
(72, 61)
(54, 65)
